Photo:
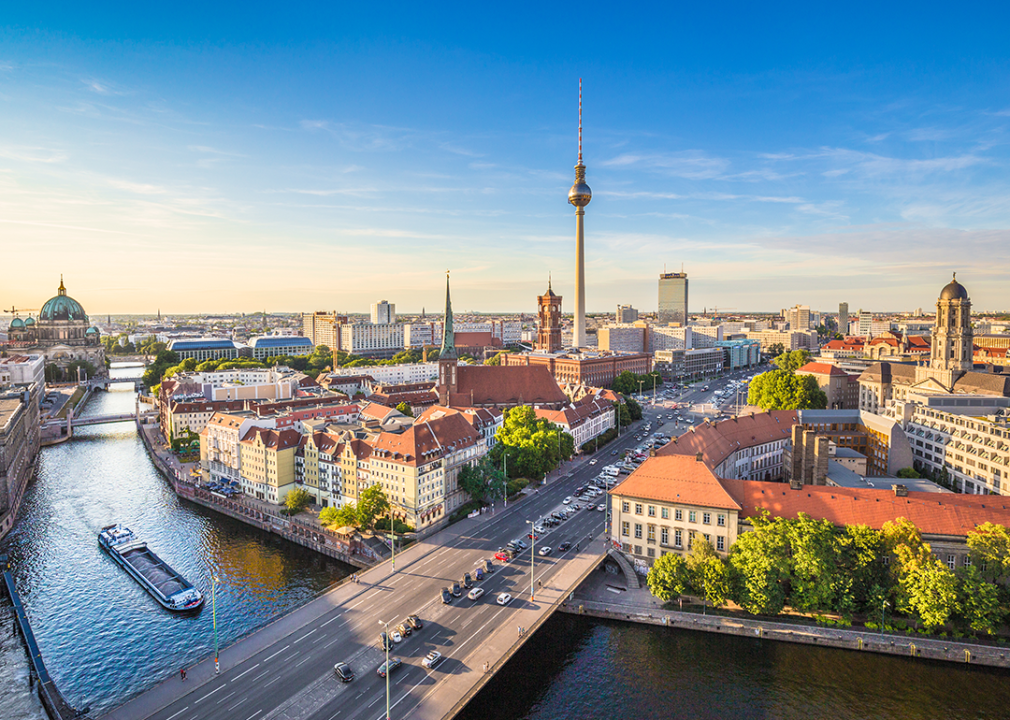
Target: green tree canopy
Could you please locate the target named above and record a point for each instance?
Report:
(669, 577)
(533, 446)
(297, 500)
(760, 568)
(792, 361)
(372, 503)
(483, 481)
(784, 390)
(405, 409)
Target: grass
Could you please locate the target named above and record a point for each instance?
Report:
(71, 403)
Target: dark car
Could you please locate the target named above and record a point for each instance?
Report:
(564, 546)
(478, 574)
(415, 622)
(446, 596)
(456, 590)
(385, 642)
(405, 629)
(488, 566)
(467, 581)
(343, 672)
(394, 663)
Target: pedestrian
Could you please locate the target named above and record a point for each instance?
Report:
(182, 673)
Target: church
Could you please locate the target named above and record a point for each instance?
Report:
(61, 332)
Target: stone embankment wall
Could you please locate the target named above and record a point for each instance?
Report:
(909, 646)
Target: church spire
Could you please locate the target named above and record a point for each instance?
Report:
(448, 351)
(62, 290)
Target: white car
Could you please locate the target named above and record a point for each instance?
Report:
(567, 500)
(432, 659)
(395, 634)
(601, 507)
(475, 594)
(546, 550)
(593, 461)
(504, 599)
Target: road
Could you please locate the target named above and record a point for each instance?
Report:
(293, 676)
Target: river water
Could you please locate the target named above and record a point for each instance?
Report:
(105, 639)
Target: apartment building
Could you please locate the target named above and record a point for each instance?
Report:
(267, 463)
(266, 346)
(219, 444)
(371, 340)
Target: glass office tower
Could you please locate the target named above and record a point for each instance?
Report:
(672, 298)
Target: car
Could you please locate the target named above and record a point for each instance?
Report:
(564, 546)
(394, 663)
(404, 629)
(488, 566)
(467, 581)
(576, 506)
(533, 536)
(602, 507)
(456, 590)
(475, 593)
(546, 550)
(589, 506)
(446, 596)
(567, 500)
(415, 622)
(593, 461)
(504, 598)
(478, 574)
(613, 452)
(432, 659)
(501, 556)
(343, 672)
(395, 636)
(522, 544)
(384, 641)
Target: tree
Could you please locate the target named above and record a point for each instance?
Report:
(405, 409)
(862, 559)
(156, 370)
(623, 415)
(533, 446)
(669, 577)
(791, 361)
(339, 517)
(297, 500)
(990, 552)
(495, 359)
(910, 473)
(903, 542)
(482, 481)
(372, 502)
(784, 390)
(634, 409)
(776, 349)
(931, 590)
(816, 581)
(713, 577)
(978, 602)
(759, 563)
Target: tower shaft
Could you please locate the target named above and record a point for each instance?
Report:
(579, 331)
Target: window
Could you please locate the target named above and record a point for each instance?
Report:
(967, 560)
(626, 547)
(664, 536)
(652, 552)
(678, 514)
(692, 516)
(625, 507)
(708, 538)
(720, 543)
(652, 533)
(720, 520)
(665, 513)
(625, 528)
(678, 538)
(638, 549)
(638, 531)
(706, 518)
(652, 511)
(951, 562)
(638, 508)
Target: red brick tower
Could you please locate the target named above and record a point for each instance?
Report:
(549, 311)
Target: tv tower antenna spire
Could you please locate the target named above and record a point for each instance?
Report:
(580, 121)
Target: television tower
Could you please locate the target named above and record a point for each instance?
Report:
(579, 196)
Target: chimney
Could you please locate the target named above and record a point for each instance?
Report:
(795, 483)
(652, 452)
(699, 457)
(900, 490)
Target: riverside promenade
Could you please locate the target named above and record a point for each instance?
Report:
(607, 595)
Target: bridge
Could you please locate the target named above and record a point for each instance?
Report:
(285, 670)
(102, 383)
(100, 419)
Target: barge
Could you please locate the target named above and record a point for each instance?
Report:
(167, 586)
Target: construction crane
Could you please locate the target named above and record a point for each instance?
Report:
(15, 311)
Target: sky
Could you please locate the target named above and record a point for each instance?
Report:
(217, 157)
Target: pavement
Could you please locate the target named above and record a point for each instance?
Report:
(285, 670)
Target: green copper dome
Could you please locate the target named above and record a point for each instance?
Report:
(62, 307)
(92, 331)
(17, 324)
(29, 322)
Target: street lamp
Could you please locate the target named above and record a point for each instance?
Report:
(385, 645)
(533, 554)
(883, 609)
(392, 541)
(213, 603)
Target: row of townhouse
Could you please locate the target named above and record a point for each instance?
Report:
(584, 419)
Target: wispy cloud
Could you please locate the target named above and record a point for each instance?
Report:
(692, 164)
(65, 227)
(32, 154)
(137, 188)
(101, 87)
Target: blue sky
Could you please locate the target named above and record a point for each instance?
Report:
(256, 156)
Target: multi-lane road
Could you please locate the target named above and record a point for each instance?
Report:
(291, 676)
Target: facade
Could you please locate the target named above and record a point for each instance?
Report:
(318, 468)
(383, 313)
(202, 349)
(798, 317)
(585, 419)
(267, 461)
(668, 502)
(698, 363)
(665, 337)
(842, 389)
(219, 445)
(865, 324)
(843, 317)
(403, 374)
(789, 339)
(672, 299)
(740, 353)
(625, 314)
(597, 369)
(274, 345)
(61, 332)
(549, 321)
(703, 336)
(20, 432)
(322, 328)
(371, 340)
(621, 338)
(880, 439)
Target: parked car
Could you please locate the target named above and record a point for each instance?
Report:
(384, 641)
(343, 672)
(393, 664)
(504, 599)
(432, 659)
(488, 566)
(567, 500)
(502, 556)
(404, 629)
(446, 596)
(395, 635)
(467, 581)
(456, 589)
(478, 574)
(415, 622)
(475, 593)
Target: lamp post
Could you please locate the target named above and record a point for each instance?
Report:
(505, 472)
(213, 605)
(883, 609)
(386, 648)
(533, 554)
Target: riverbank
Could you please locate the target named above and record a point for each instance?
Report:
(608, 596)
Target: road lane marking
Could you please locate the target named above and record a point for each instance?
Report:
(303, 661)
(350, 607)
(335, 617)
(375, 701)
(254, 715)
(278, 652)
(226, 697)
(307, 634)
(210, 693)
(262, 674)
(178, 713)
(236, 704)
(332, 641)
(244, 672)
(272, 681)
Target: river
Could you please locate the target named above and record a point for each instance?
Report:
(105, 639)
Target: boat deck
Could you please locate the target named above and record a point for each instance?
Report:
(154, 571)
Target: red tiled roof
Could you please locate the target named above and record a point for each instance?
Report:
(716, 441)
(817, 368)
(274, 439)
(477, 339)
(676, 479)
(425, 441)
(506, 386)
(933, 514)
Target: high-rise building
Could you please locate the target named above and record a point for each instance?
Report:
(865, 324)
(843, 318)
(625, 314)
(579, 196)
(549, 314)
(383, 313)
(672, 299)
(798, 317)
(323, 328)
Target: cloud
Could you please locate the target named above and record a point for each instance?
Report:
(692, 164)
(32, 154)
(65, 227)
(101, 87)
(138, 188)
